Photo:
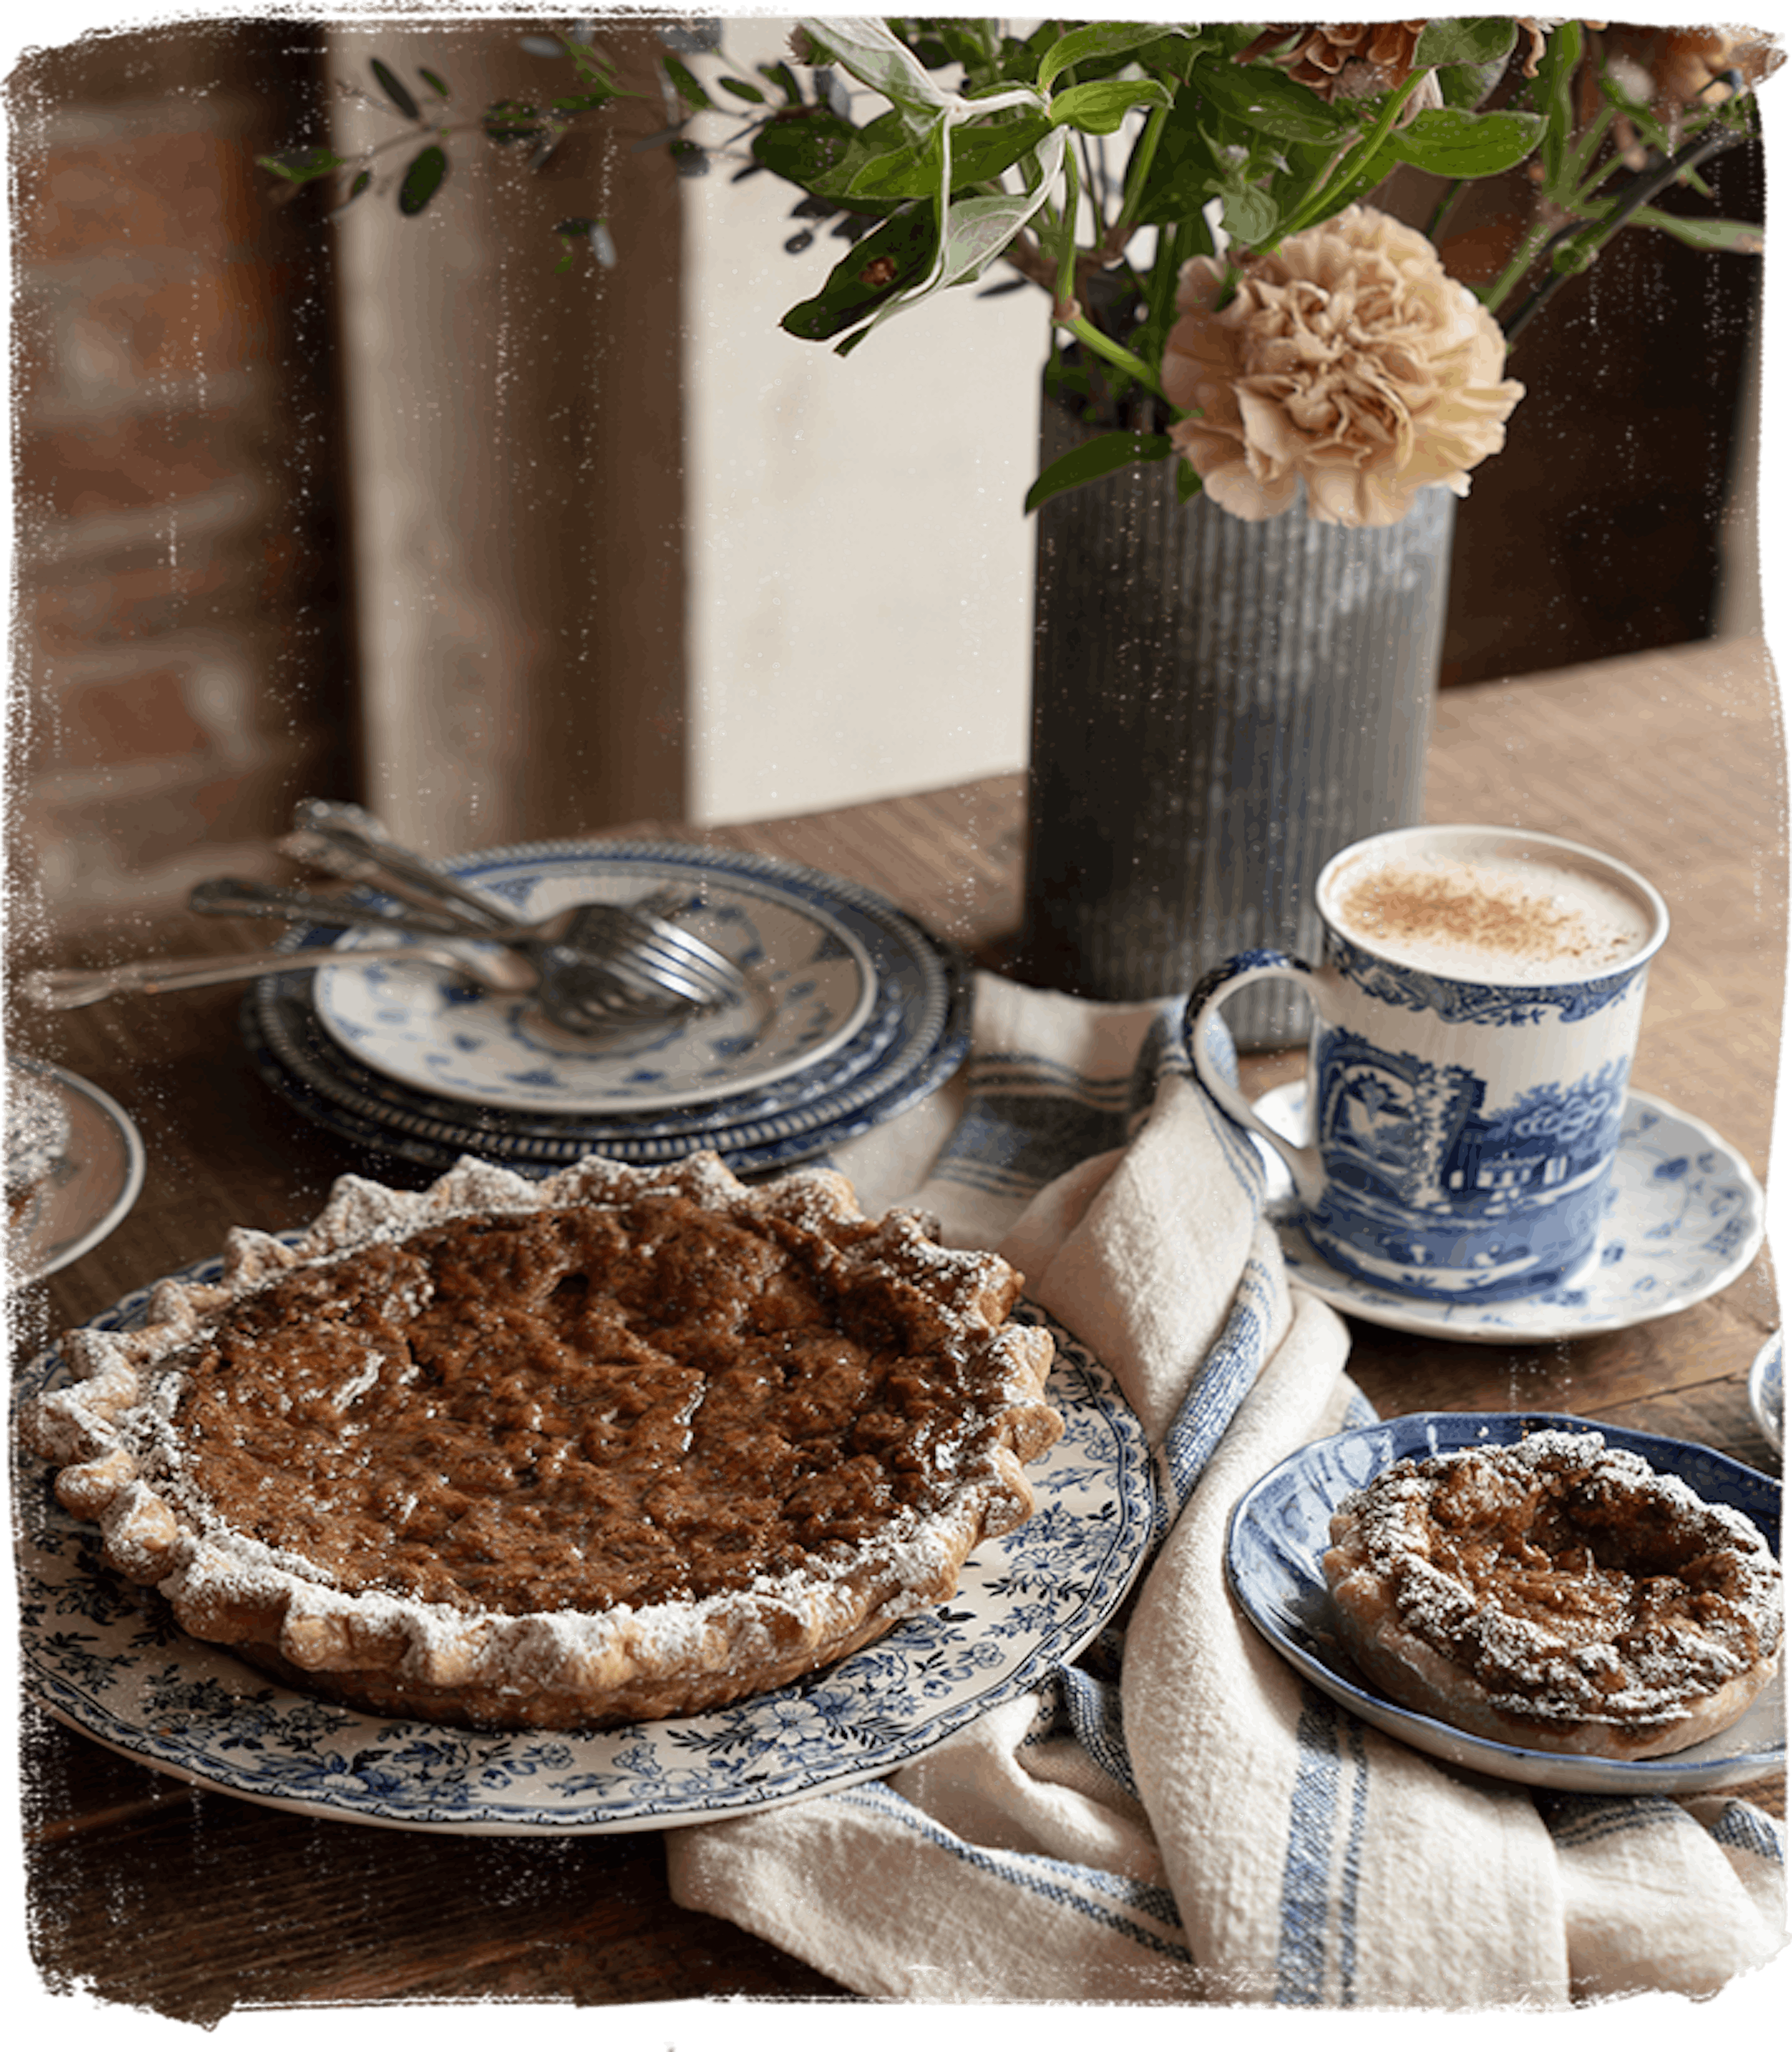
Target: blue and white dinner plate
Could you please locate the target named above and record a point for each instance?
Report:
(105, 1657)
(423, 1142)
(809, 987)
(914, 1032)
(1279, 1529)
(1683, 1218)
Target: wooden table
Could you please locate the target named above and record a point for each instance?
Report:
(147, 1892)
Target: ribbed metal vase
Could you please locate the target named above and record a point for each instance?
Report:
(1218, 706)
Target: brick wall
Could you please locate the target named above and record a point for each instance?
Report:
(178, 657)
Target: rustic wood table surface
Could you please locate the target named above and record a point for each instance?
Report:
(145, 1891)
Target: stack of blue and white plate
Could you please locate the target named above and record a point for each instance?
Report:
(853, 1013)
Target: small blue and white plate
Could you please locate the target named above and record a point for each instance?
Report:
(1279, 1529)
(104, 1656)
(1684, 1216)
(809, 987)
(1767, 1392)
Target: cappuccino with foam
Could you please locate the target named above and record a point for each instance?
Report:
(1486, 915)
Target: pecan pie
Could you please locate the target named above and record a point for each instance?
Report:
(631, 1442)
(1560, 1594)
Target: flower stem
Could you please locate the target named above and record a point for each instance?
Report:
(1091, 337)
(1577, 246)
(1066, 289)
(1136, 172)
(1319, 204)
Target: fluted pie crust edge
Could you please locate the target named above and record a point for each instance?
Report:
(114, 1435)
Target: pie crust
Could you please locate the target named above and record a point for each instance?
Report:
(629, 1442)
(1559, 1594)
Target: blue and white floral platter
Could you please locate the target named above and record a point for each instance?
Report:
(1684, 1216)
(809, 987)
(104, 1656)
(1279, 1529)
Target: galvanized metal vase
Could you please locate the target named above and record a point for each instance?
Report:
(1218, 706)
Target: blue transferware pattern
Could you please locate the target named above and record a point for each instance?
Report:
(1481, 1003)
(1418, 1174)
(810, 987)
(921, 988)
(1683, 1216)
(1279, 1531)
(103, 1655)
(1766, 1391)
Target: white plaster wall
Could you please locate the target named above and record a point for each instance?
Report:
(861, 569)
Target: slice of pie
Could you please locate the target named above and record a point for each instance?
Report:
(631, 1442)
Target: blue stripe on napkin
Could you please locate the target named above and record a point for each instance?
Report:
(1114, 1902)
(1325, 1829)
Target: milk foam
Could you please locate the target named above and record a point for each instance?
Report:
(1500, 918)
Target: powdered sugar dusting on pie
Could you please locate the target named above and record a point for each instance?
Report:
(1559, 1594)
(630, 1443)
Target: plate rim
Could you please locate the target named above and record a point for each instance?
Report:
(1433, 1319)
(136, 1168)
(1583, 1773)
(1769, 1357)
(1130, 1540)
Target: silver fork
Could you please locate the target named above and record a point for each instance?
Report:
(575, 985)
(634, 941)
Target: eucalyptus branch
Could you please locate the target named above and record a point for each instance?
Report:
(1573, 248)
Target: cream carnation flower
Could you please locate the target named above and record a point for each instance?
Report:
(1347, 360)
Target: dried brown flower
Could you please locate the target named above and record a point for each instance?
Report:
(1342, 59)
(1676, 66)
(1347, 360)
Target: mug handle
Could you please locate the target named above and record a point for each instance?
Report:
(1202, 1035)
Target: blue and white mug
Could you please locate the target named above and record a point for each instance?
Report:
(1475, 1010)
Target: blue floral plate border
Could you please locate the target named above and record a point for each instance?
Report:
(1279, 1530)
(105, 1657)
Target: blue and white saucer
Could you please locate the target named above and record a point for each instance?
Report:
(103, 1655)
(1683, 1218)
(1279, 1529)
(912, 1033)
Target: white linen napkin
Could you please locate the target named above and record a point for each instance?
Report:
(1179, 1816)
